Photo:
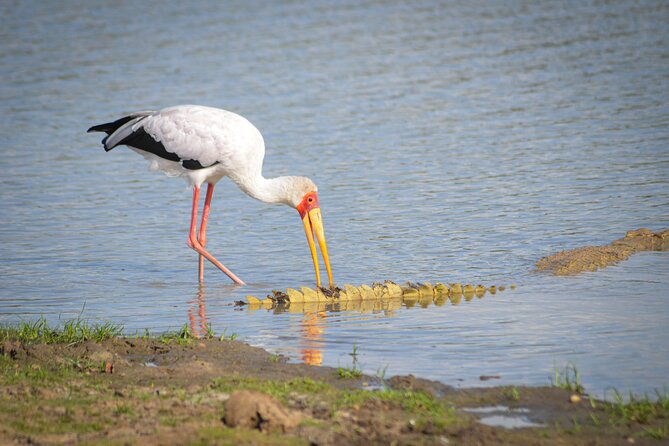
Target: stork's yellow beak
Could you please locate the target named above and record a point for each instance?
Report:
(310, 212)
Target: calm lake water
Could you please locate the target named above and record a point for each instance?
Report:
(450, 141)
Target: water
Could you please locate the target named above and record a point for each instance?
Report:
(503, 416)
(455, 142)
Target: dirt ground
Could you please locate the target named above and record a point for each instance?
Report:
(591, 258)
(218, 391)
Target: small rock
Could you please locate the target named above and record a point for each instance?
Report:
(575, 399)
(255, 410)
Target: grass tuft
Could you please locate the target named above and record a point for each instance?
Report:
(225, 337)
(511, 393)
(569, 378)
(642, 410)
(349, 372)
(658, 433)
(72, 332)
(182, 337)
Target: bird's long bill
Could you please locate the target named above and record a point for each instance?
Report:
(313, 223)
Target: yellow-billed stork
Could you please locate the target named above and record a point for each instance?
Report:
(204, 144)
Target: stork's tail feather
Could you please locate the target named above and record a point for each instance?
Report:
(110, 127)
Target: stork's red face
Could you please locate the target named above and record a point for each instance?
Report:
(310, 212)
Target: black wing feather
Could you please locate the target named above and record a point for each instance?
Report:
(141, 140)
(110, 127)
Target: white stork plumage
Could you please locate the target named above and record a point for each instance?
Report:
(204, 144)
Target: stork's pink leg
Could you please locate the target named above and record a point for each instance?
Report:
(203, 227)
(195, 244)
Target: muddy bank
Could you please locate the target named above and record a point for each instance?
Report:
(192, 391)
(591, 258)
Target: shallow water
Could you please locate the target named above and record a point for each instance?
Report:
(503, 416)
(449, 142)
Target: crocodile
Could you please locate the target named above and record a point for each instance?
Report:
(409, 294)
(592, 258)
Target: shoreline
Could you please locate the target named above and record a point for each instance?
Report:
(88, 385)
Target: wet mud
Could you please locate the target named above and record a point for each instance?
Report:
(592, 258)
(212, 391)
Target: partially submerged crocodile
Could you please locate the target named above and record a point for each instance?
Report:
(410, 294)
(574, 261)
(591, 258)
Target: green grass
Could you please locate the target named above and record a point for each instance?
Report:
(36, 375)
(349, 372)
(278, 389)
(71, 332)
(209, 332)
(78, 330)
(569, 379)
(182, 337)
(235, 437)
(659, 433)
(225, 337)
(642, 410)
(422, 406)
(39, 416)
(512, 394)
(381, 373)
(595, 419)
(168, 421)
(352, 372)
(576, 427)
(124, 409)
(354, 353)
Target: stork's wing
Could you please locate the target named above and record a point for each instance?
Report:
(132, 131)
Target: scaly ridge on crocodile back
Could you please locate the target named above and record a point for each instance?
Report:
(410, 294)
(592, 258)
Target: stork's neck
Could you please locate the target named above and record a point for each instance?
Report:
(268, 190)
